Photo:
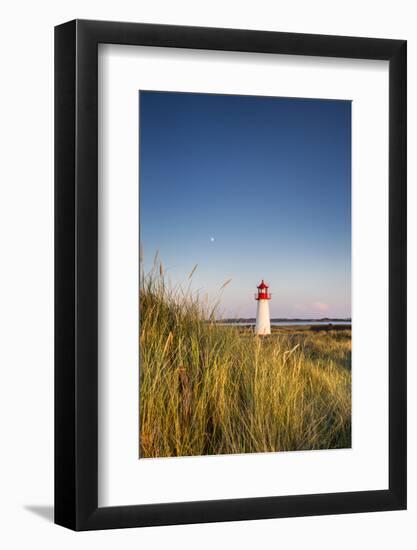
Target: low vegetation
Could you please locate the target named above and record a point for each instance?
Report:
(206, 388)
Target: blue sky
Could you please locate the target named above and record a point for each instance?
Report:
(249, 188)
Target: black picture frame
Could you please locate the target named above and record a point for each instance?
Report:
(76, 272)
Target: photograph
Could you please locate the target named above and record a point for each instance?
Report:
(245, 319)
(209, 338)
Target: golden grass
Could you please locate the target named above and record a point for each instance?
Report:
(207, 388)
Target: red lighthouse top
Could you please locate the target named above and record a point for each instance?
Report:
(263, 293)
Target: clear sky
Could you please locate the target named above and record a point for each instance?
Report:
(249, 188)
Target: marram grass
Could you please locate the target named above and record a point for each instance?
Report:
(207, 388)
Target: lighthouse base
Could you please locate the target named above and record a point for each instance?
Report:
(263, 323)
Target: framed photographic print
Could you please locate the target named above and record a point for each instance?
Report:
(230, 252)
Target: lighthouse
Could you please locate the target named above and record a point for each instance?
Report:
(263, 323)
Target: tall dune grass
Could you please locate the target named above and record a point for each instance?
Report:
(212, 389)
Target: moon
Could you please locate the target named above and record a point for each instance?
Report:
(212, 239)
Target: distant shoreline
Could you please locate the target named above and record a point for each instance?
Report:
(291, 324)
(286, 327)
(252, 320)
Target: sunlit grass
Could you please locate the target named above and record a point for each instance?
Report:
(207, 388)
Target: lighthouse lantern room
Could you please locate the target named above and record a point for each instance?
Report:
(263, 323)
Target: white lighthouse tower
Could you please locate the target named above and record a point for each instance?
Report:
(263, 323)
